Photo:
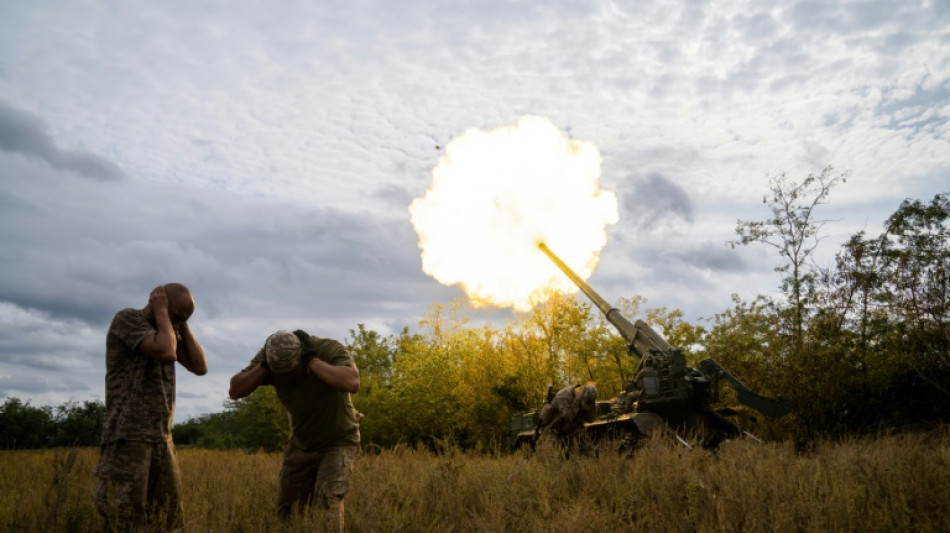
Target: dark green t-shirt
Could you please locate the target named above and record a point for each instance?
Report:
(320, 415)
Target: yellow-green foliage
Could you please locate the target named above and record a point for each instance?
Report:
(892, 483)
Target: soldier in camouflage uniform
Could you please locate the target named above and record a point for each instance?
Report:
(313, 378)
(565, 413)
(139, 482)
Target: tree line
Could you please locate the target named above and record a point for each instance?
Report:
(24, 426)
(860, 345)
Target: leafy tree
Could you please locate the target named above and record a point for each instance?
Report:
(890, 295)
(215, 431)
(810, 365)
(527, 383)
(524, 386)
(23, 426)
(260, 421)
(916, 251)
(189, 432)
(852, 314)
(870, 338)
(482, 367)
(746, 340)
(79, 424)
(511, 390)
(376, 381)
(794, 231)
(422, 401)
(677, 331)
(372, 353)
(558, 325)
(442, 385)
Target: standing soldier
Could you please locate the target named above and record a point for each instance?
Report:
(313, 378)
(138, 472)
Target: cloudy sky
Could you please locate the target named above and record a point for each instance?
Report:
(265, 154)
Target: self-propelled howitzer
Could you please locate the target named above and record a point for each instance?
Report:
(665, 395)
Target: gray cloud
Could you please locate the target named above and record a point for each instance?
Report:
(42, 384)
(676, 273)
(682, 260)
(394, 195)
(654, 200)
(11, 202)
(101, 253)
(713, 258)
(24, 133)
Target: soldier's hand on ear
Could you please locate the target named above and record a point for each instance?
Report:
(158, 300)
(306, 348)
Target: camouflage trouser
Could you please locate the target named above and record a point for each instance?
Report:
(548, 414)
(550, 420)
(321, 477)
(139, 486)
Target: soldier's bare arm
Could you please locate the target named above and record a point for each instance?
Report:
(345, 378)
(190, 353)
(244, 383)
(162, 345)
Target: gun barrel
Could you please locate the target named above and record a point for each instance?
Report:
(624, 326)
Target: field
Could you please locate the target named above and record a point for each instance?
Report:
(888, 483)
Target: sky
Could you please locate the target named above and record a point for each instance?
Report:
(265, 154)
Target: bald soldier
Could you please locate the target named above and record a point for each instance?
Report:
(139, 482)
(313, 378)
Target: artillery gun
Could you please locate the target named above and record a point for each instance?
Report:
(666, 395)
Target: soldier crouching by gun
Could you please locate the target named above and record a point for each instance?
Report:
(565, 413)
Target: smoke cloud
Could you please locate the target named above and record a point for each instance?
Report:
(495, 195)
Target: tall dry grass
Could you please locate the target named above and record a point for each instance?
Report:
(890, 483)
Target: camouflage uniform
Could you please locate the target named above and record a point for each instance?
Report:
(137, 470)
(574, 409)
(324, 440)
(303, 471)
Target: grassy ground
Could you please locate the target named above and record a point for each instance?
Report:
(890, 483)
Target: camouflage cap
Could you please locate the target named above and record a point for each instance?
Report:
(282, 351)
